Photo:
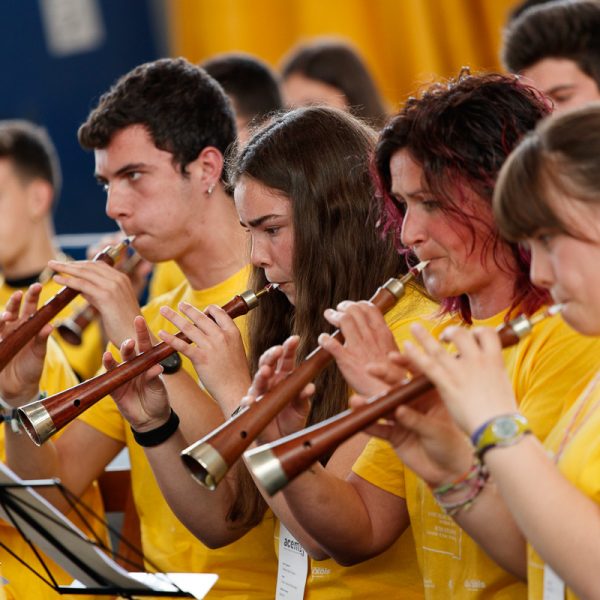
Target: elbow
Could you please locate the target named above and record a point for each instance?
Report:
(215, 541)
(217, 538)
(350, 556)
(349, 560)
(317, 553)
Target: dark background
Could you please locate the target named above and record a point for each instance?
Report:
(58, 90)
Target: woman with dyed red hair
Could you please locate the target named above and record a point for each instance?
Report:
(552, 491)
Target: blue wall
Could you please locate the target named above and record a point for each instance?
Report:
(58, 91)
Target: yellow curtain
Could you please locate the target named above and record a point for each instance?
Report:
(406, 43)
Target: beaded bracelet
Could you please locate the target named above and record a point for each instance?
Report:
(472, 482)
(157, 436)
(460, 482)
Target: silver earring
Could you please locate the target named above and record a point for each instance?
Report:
(211, 189)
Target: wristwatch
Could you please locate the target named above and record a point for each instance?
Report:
(171, 364)
(504, 430)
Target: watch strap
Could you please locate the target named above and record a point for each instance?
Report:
(157, 436)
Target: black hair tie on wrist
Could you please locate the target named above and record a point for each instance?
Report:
(157, 436)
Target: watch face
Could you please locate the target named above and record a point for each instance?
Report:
(505, 428)
(171, 364)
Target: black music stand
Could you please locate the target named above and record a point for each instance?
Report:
(39, 523)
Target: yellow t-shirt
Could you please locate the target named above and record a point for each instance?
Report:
(166, 276)
(246, 568)
(548, 370)
(85, 359)
(395, 572)
(579, 462)
(22, 584)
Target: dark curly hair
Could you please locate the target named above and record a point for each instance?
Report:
(183, 109)
(460, 132)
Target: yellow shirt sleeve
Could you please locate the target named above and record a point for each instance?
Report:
(379, 464)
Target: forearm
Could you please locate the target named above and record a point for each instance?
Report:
(335, 513)
(279, 505)
(202, 511)
(329, 515)
(26, 459)
(199, 414)
(560, 522)
(489, 522)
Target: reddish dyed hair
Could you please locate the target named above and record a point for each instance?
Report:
(460, 132)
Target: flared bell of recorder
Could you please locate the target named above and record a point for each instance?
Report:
(205, 464)
(36, 421)
(266, 468)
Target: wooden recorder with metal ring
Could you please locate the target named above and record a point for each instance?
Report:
(43, 418)
(210, 458)
(275, 465)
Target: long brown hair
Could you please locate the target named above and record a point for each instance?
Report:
(319, 158)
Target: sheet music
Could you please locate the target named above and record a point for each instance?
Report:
(60, 528)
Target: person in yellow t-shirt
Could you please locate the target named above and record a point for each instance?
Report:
(15, 381)
(237, 575)
(293, 226)
(29, 183)
(547, 370)
(552, 490)
(159, 136)
(437, 161)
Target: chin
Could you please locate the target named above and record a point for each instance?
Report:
(439, 290)
(586, 323)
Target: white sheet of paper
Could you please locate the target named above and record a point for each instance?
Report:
(197, 584)
(54, 522)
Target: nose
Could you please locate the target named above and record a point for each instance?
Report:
(117, 206)
(260, 255)
(540, 270)
(412, 232)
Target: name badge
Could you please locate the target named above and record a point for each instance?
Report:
(293, 567)
(554, 587)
